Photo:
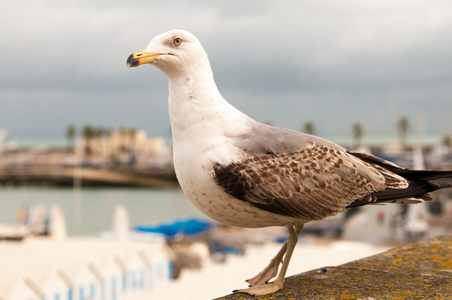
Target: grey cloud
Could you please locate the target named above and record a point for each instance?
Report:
(280, 61)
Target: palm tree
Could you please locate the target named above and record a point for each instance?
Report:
(357, 133)
(403, 125)
(70, 135)
(88, 135)
(309, 127)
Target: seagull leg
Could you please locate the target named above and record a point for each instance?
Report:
(272, 269)
(287, 249)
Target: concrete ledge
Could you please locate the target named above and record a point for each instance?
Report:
(422, 270)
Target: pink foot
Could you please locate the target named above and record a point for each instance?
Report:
(262, 289)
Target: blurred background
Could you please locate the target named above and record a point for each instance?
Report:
(89, 204)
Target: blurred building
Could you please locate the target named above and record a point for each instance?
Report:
(121, 141)
(125, 147)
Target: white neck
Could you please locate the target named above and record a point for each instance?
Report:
(197, 108)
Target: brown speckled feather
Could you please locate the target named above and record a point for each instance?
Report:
(310, 184)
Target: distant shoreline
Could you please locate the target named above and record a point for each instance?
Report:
(24, 141)
(60, 167)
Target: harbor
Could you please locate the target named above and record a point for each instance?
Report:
(151, 256)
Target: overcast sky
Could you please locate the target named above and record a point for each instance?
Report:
(333, 63)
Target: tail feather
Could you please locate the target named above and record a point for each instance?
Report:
(441, 183)
(421, 182)
(428, 175)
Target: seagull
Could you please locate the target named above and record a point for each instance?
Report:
(244, 173)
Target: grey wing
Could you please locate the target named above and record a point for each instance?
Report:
(310, 184)
(265, 139)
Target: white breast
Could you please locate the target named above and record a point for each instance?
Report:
(193, 161)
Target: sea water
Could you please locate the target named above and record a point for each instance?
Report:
(90, 210)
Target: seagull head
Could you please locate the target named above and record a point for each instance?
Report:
(173, 52)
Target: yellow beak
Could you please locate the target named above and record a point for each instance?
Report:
(141, 57)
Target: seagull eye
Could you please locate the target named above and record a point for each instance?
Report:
(177, 41)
